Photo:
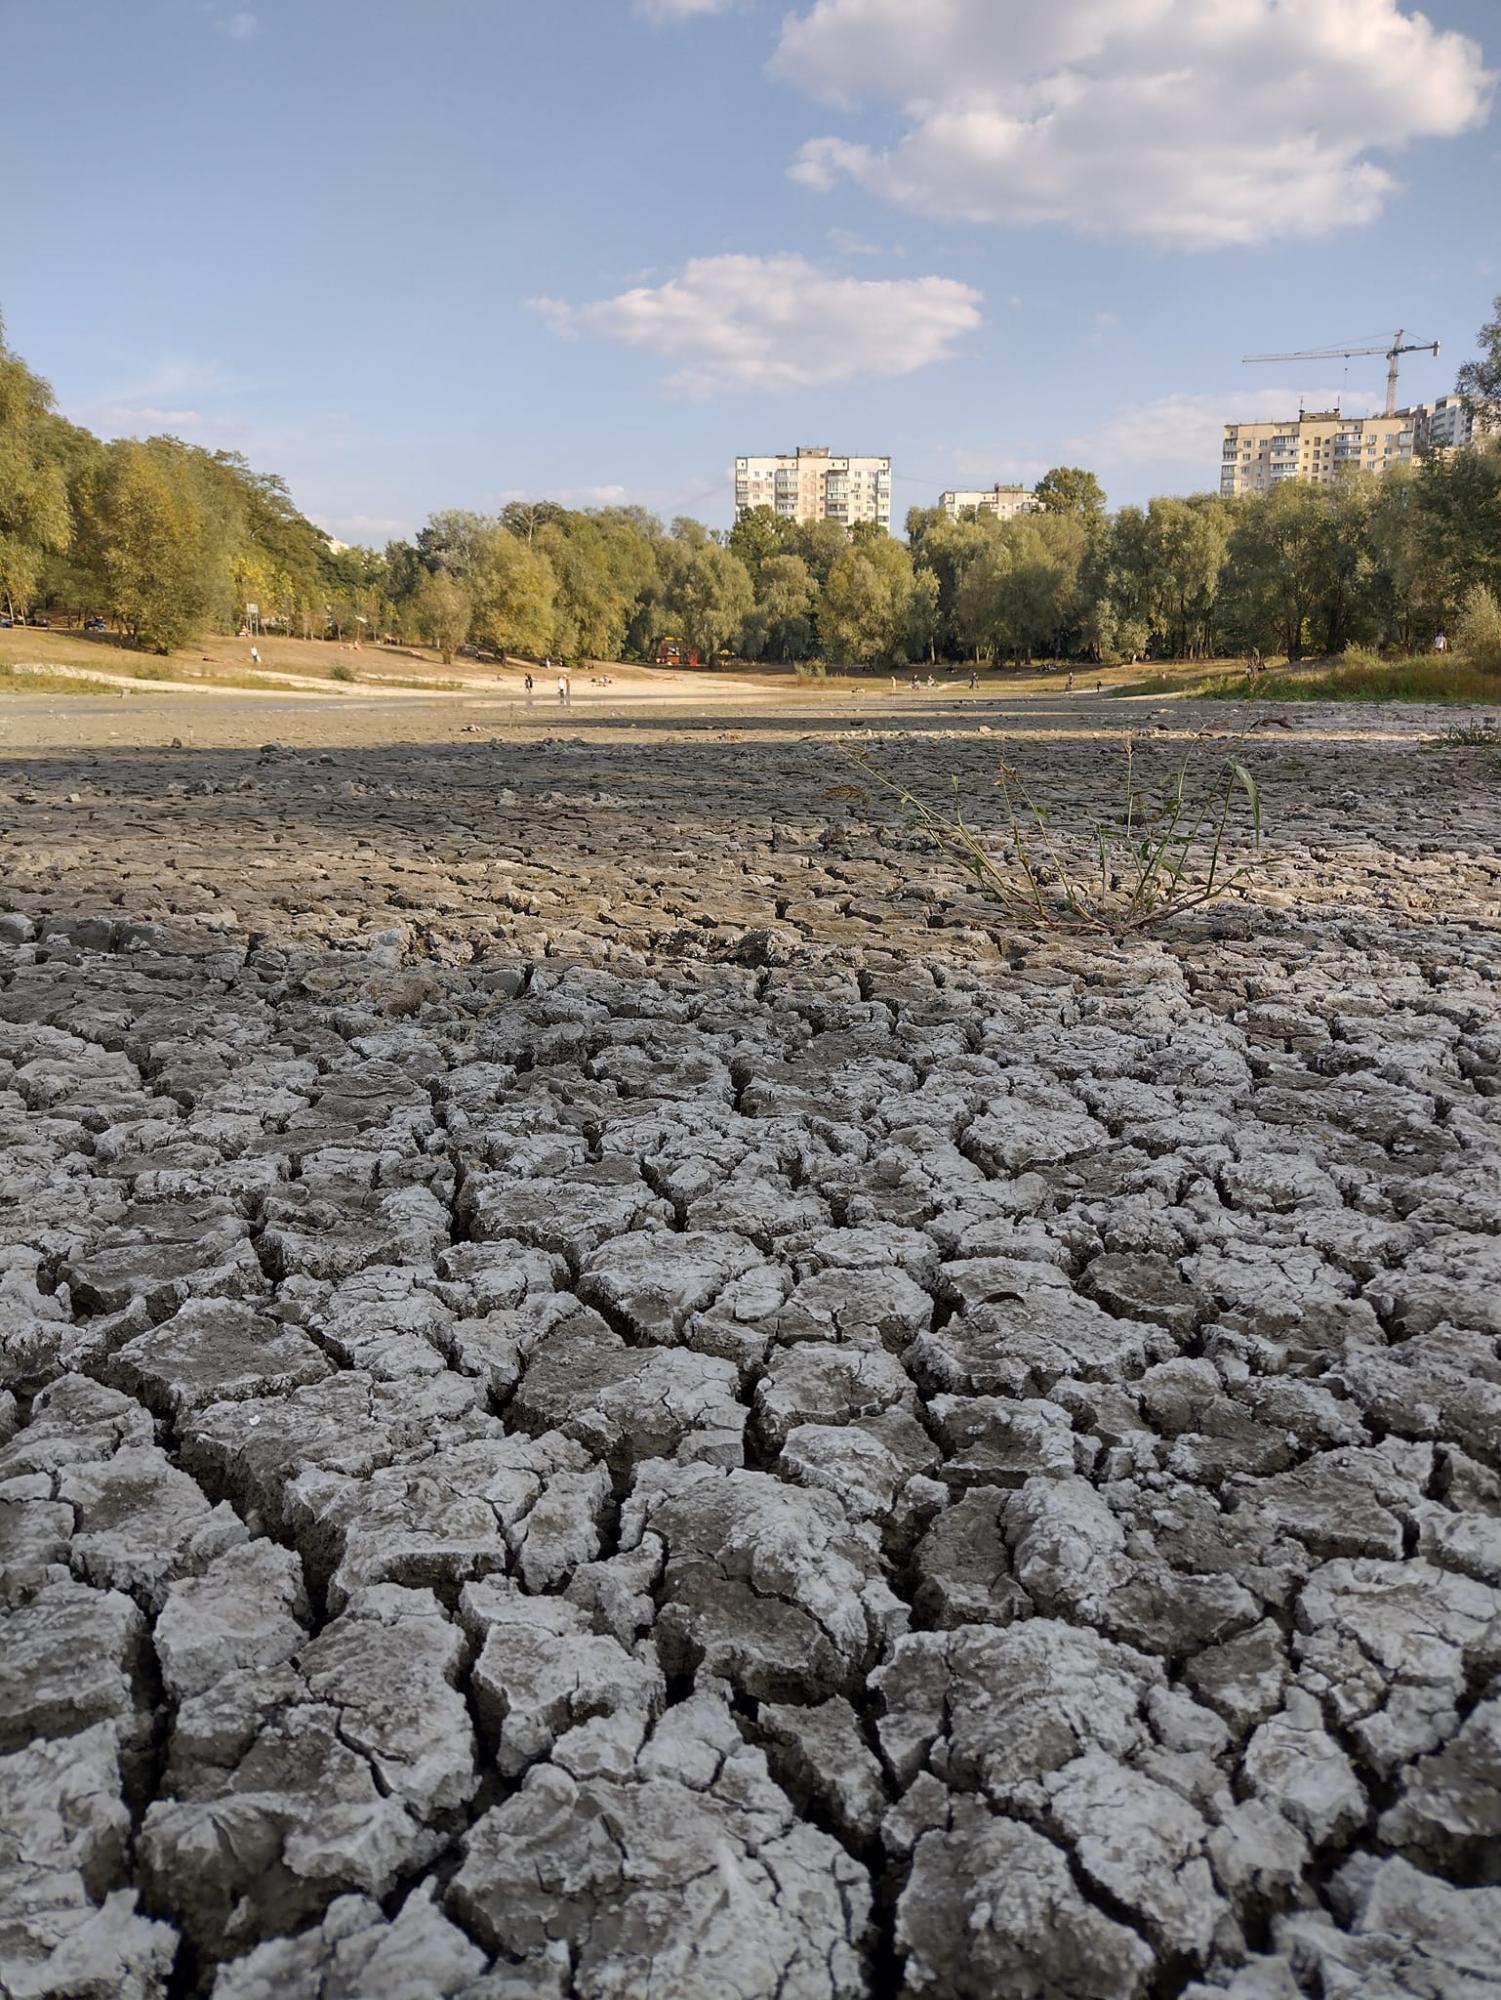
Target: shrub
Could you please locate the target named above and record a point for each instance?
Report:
(1477, 634)
(341, 671)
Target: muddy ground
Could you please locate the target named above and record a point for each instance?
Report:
(613, 1391)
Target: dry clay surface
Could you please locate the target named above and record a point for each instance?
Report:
(610, 1393)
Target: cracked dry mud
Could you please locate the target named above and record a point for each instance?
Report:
(610, 1392)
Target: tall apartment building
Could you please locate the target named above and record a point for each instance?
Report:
(1005, 502)
(1315, 446)
(811, 484)
(1449, 425)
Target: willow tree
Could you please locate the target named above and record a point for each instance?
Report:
(35, 518)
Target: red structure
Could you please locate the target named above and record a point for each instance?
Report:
(675, 653)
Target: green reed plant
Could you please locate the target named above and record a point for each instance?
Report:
(1170, 847)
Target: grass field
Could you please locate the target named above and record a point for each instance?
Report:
(228, 661)
(37, 680)
(1420, 679)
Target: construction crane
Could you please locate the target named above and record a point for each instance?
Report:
(1399, 347)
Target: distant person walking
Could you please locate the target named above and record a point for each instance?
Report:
(255, 656)
(528, 685)
(1441, 642)
(562, 688)
(974, 677)
(1068, 685)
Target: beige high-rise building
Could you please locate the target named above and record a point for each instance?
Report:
(1316, 445)
(1449, 424)
(811, 484)
(1005, 502)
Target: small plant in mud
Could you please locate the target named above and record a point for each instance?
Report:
(1468, 736)
(341, 671)
(1171, 846)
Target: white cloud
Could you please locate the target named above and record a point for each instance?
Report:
(177, 395)
(1183, 433)
(1194, 123)
(372, 527)
(679, 10)
(777, 323)
(848, 244)
(145, 420)
(239, 27)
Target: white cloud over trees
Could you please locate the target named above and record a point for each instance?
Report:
(773, 324)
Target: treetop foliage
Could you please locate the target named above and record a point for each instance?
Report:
(169, 539)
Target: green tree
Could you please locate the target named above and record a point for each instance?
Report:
(867, 606)
(522, 518)
(1479, 381)
(709, 597)
(946, 548)
(1477, 631)
(444, 612)
(759, 535)
(151, 546)
(1185, 549)
(1069, 489)
(1405, 594)
(820, 544)
(1459, 506)
(1035, 590)
(1276, 567)
(35, 516)
(924, 621)
(1347, 606)
(514, 591)
(455, 539)
(780, 627)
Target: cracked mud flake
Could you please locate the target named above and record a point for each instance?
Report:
(561, 1438)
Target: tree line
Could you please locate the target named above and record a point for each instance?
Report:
(167, 539)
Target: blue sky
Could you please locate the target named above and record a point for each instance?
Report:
(442, 254)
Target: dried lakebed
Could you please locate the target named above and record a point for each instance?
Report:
(607, 1393)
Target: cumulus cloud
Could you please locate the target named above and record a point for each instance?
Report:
(1193, 123)
(1184, 433)
(777, 323)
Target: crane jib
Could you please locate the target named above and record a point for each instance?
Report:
(1393, 353)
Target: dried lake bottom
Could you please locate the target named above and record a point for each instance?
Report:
(612, 1392)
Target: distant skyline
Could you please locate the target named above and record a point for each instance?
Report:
(591, 250)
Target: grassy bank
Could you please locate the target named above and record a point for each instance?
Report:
(1419, 679)
(38, 680)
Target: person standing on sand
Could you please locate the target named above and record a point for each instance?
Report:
(255, 656)
(974, 677)
(562, 689)
(1068, 685)
(527, 684)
